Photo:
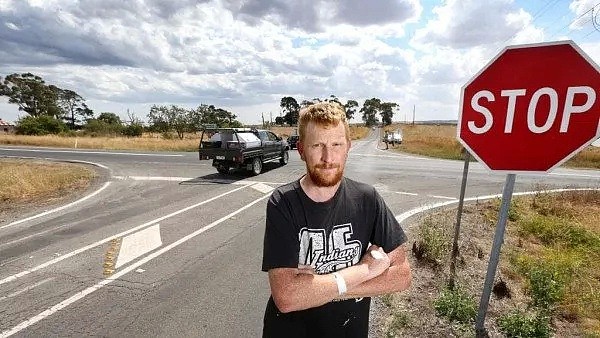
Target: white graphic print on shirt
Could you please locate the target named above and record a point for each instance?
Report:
(329, 253)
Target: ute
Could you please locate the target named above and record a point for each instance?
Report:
(241, 148)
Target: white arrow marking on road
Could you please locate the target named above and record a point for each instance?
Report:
(138, 244)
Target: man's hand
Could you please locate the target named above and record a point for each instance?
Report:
(376, 265)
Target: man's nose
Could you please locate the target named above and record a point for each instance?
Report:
(327, 154)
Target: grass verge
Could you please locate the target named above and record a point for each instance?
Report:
(440, 141)
(23, 183)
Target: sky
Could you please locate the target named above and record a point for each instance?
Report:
(245, 55)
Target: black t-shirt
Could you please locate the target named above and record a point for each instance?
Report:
(329, 236)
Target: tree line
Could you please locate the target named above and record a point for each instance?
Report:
(54, 110)
(370, 110)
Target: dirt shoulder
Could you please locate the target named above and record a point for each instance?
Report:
(412, 313)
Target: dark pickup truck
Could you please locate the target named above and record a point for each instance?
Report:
(241, 148)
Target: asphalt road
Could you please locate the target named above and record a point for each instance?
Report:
(164, 246)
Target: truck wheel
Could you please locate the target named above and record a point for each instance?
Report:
(285, 157)
(223, 169)
(256, 166)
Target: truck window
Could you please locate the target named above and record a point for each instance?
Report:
(263, 135)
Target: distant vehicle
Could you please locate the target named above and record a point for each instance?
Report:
(292, 140)
(393, 137)
(241, 148)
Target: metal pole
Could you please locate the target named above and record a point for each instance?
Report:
(494, 255)
(461, 200)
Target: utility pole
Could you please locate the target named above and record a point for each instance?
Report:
(414, 114)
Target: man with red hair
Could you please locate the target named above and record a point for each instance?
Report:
(330, 242)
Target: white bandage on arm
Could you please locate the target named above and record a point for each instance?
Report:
(341, 283)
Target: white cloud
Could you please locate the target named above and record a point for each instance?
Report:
(244, 55)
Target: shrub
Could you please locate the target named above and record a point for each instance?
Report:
(133, 130)
(519, 324)
(546, 286)
(102, 128)
(456, 305)
(434, 241)
(40, 125)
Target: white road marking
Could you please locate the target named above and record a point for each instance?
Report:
(138, 244)
(34, 235)
(88, 152)
(442, 197)
(57, 209)
(108, 239)
(195, 179)
(388, 156)
(405, 193)
(405, 215)
(31, 287)
(132, 267)
(265, 189)
(576, 175)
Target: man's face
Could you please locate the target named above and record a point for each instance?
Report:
(325, 151)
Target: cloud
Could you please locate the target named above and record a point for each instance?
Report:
(471, 23)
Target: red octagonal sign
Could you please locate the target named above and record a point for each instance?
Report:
(531, 108)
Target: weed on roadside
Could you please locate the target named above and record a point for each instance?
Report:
(456, 305)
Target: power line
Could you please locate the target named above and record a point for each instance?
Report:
(544, 9)
(575, 20)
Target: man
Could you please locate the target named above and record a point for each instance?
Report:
(330, 242)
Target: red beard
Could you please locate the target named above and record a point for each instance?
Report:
(322, 179)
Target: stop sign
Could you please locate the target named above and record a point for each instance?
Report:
(531, 108)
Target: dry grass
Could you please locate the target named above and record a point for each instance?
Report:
(152, 142)
(22, 181)
(440, 141)
(429, 140)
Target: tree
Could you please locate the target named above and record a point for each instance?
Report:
(109, 118)
(387, 112)
(166, 119)
(73, 105)
(31, 94)
(369, 110)
(291, 108)
(350, 108)
(209, 114)
(40, 125)
(105, 124)
(279, 121)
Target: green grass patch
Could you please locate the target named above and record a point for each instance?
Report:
(521, 324)
(558, 258)
(456, 305)
(434, 241)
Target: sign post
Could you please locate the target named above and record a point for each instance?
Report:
(530, 109)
